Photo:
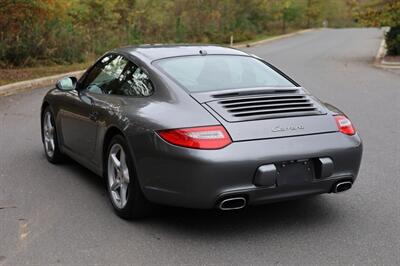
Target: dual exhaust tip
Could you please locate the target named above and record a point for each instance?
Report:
(237, 203)
(342, 186)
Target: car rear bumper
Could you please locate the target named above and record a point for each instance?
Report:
(192, 178)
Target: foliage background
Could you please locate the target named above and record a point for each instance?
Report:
(384, 13)
(69, 31)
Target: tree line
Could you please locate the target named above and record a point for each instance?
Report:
(67, 31)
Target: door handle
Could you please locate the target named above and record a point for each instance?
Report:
(93, 115)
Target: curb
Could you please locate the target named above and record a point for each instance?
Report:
(35, 83)
(381, 52)
(246, 45)
(380, 55)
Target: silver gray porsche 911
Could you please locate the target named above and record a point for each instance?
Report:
(199, 127)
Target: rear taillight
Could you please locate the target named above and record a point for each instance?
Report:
(210, 137)
(344, 125)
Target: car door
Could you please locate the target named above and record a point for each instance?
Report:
(78, 130)
(79, 117)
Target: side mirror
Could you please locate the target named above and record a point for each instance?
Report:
(67, 84)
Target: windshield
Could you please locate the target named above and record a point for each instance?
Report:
(220, 72)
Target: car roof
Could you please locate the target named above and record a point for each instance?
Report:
(153, 52)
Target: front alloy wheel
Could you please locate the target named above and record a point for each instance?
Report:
(49, 136)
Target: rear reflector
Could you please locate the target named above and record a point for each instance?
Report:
(344, 125)
(209, 138)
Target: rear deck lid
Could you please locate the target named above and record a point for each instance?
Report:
(267, 112)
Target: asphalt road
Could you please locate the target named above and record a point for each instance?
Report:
(60, 215)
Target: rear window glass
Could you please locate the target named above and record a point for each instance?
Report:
(220, 72)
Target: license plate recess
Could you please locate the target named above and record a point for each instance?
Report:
(295, 172)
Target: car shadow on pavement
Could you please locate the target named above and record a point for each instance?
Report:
(83, 174)
(300, 214)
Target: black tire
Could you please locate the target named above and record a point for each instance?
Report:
(55, 156)
(136, 205)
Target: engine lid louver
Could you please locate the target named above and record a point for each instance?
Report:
(256, 107)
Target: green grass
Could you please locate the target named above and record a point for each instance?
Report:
(257, 38)
(11, 75)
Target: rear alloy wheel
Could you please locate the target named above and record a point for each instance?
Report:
(118, 175)
(49, 135)
(123, 187)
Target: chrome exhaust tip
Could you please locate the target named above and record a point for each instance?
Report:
(232, 204)
(342, 186)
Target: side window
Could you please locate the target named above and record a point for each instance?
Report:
(106, 75)
(135, 82)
